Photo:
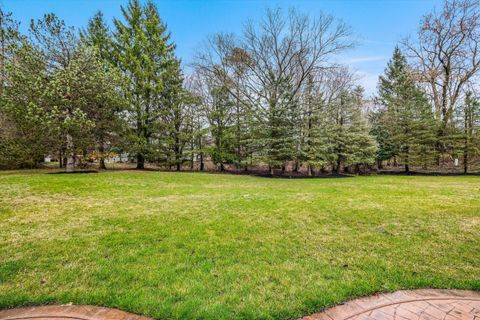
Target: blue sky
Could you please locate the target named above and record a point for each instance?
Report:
(377, 24)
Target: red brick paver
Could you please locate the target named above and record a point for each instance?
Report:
(427, 304)
(401, 305)
(67, 312)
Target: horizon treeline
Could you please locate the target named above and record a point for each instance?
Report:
(272, 97)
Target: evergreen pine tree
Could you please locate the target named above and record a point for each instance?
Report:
(352, 143)
(362, 145)
(409, 118)
(380, 131)
(98, 35)
(175, 117)
(106, 117)
(143, 52)
(316, 145)
(277, 132)
(27, 131)
(9, 38)
(220, 115)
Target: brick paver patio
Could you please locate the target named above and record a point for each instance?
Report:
(428, 304)
(401, 305)
(68, 312)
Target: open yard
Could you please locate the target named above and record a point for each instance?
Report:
(210, 246)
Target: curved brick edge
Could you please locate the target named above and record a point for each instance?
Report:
(426, 304)
(68, 311)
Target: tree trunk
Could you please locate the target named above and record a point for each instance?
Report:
(202, 165)
(70, 154)
(70, 164)
(407, 167)
(439, 146)
(379, 164)
(60, 160)
(439, 154)
(271, 170)
(295, 168)
(2, 58)
(465, 146)
(309, 168)
(339, 166)
(140, 161)
(192, 156)
(178, 155)
(222, 167)
(102, 164)
(102, 157)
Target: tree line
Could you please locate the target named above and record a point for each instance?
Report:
(273, 97)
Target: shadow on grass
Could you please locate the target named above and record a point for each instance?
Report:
(427, 174)
(74, 172)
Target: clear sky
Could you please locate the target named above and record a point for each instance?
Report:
(378, 24)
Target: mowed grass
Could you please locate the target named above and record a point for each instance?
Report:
(209, 246)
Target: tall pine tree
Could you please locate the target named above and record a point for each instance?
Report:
(174, 126)
(349, 134)
(108, 124)
(408, 115)
(143, 53)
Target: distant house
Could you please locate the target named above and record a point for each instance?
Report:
(49, 158)
(123, 157)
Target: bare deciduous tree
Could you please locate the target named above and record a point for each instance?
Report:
(446, 55)
(267, 66)
(281, 48)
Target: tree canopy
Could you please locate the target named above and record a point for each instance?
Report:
(273, 98)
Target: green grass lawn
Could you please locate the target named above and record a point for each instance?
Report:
(207, 246)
